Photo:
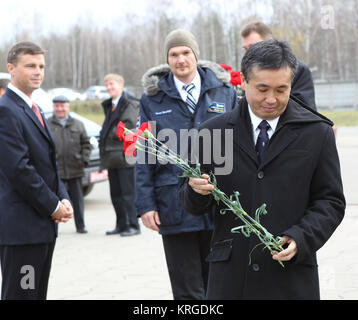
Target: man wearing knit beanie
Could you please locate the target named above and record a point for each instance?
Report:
(181, 37)
(179, 97)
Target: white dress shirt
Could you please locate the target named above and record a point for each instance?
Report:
(22, 95)
(115, 101)
(195, 92)
(255, 121)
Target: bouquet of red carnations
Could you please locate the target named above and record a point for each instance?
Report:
(144, 140)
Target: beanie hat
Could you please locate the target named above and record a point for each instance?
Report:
(181, 37)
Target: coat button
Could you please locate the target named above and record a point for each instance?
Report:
(255, 267)
(261, 175)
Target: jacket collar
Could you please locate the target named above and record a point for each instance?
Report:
(56, 121)
(287, 129)
(207, 77)
(28, 111)
(153, 76)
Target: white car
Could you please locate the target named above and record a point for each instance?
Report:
(68, 93)
(93, 172)
(97, 93)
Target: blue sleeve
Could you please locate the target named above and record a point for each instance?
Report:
(144, 172)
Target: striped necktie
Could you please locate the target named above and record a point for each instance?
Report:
(190, 101)
(36, 110)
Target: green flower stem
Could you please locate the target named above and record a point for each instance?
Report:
(250, 225)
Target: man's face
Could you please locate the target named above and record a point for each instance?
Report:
(182, 63)
(114, 88)
(28, 73)
(61, 110)
(268, 91)
(251, 39)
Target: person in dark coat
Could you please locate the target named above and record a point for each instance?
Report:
(73, 151)
(302, 88)
(186, 239)
(297, 177)
(120, 171)
(33, 198)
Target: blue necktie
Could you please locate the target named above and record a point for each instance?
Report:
(262, 140)
(190, 101)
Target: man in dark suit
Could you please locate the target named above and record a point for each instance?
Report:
(302, 83)
(32, 197)
(120, 172)
(275, 161)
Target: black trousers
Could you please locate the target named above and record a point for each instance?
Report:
(188, 271)
(25, 271)
(121, 183)
(75, 191)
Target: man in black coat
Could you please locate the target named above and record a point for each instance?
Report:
(302, 84)
(120, 171)
(275, 161)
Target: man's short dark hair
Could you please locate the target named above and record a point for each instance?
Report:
(259, 27)
(22, 48)
(268, 54)
(4, 83)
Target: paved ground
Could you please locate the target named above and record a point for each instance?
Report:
(96, 266)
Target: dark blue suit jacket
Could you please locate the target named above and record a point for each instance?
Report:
(30, 186)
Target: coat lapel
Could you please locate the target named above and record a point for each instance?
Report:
(240, 119)
(284, 135)
(36, 121)
(21, 103)
(112, 118)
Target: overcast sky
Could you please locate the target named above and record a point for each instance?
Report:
(46, 16)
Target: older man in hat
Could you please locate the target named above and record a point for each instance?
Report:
(73, 151)
(179, 96)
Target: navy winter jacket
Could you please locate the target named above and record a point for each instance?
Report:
(157, 185)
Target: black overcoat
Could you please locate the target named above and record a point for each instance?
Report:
(300, 182)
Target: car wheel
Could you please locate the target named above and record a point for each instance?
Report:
(87, 189)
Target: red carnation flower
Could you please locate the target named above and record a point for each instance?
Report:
(121, 130)
(235, 78)
(129, 144)
(226, 67)
(144, 126)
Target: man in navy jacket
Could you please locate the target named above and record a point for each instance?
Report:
(32, 197)
(186, 239)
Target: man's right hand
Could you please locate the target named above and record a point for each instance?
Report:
(201, 186)
(151, 220)
(63, 214)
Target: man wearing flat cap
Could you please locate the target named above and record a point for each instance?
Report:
(73, 151)
(179, 96)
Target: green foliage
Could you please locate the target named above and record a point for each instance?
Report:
(342, 118)
(90, 109)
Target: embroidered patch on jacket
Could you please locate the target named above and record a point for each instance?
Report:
(160, 113)
(217, 107)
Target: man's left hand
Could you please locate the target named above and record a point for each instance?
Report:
(69, 210)
(289, 252)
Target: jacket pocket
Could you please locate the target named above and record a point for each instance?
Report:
(220, 251)
(170, 212)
